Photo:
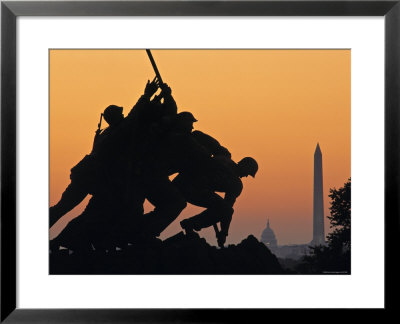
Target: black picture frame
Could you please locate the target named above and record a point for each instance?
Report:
(10, 10)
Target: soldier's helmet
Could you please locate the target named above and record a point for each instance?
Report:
(249, 166)
(113, 114)
(186, 116)
(184, 121)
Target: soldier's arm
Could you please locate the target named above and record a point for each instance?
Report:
(144, 100)
(169, 106)
(234, 190)
(230, 198)
(138, 108)
(195, 153)
(151, 88)
(211, 144)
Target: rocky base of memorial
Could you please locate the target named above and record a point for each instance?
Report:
(178, 254)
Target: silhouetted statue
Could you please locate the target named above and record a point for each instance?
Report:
(132, 160)
(200, 189)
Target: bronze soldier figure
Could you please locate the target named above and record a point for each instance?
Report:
(200, 189)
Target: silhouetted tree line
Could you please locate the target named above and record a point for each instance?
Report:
(335, 256)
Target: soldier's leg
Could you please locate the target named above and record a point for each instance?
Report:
(71, 197)
(127, 215)
(168, 202)
(91, 228)
(74, 236)
(82, 179)
(218, 210)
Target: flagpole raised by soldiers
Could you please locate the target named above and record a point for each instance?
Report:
(153, 63)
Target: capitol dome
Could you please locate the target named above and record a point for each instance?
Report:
(268, 237)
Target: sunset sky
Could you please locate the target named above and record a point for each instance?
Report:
(273, 105)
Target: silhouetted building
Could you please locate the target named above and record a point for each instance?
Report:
(291, 251)
(318, 201)
(268, 237)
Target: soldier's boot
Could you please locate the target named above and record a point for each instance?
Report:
(196, 223)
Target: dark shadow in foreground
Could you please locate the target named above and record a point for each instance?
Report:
(180, 254)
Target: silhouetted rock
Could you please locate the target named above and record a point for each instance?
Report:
(179, 254)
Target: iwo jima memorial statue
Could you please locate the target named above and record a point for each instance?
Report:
(132, 160)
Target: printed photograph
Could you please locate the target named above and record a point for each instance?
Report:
(200, 161)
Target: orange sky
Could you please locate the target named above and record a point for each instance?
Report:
(273, 105)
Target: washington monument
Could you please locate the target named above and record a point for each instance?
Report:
(318, 208)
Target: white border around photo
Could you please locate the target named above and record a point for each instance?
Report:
(364, 288)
